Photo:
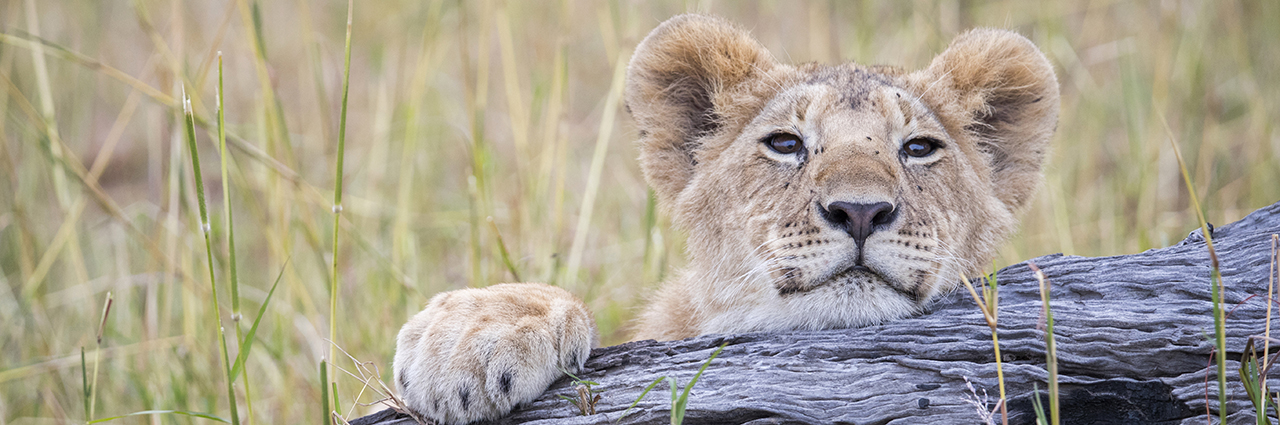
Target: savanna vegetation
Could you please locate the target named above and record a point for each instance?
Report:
(484, 142)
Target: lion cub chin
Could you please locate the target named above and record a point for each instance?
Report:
(814, 196)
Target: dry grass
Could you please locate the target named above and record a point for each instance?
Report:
(464, 111)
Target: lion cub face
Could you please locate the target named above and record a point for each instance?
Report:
(826, 196)
(850, 183)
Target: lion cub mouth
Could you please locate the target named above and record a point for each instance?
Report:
(855, 273)
(792, 280)
(851, 276)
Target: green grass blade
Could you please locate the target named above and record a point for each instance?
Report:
(234, 277)
(47, 110)
(992, 292)
(256, 14)
(502, 250)
(576, 379)
(1267, 360)
(1036, 405)
(569, 399)
(337, 408)
(677, 411)
(1250, 375)
(570, 375)
(162, 412)
(231, 392)
(208, 249)
(1053, 363)
(84, 382)
(1220, 332)
(97, 357)
(337, 187)
(1051, 347)
(1215, 279)
(325, 418)
(247, 343)
(683, 401)
(641, 397)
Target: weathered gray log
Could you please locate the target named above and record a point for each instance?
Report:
(1134, 337)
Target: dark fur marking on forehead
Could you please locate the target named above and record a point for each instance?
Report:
(855, 82)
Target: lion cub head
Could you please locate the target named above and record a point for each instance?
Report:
(820, 196)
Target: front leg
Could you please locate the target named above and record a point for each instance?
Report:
(475, 354)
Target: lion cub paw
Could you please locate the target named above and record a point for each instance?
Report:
(475, 354)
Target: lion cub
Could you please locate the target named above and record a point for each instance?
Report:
(814, 196)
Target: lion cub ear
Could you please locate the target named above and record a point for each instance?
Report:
(676, 83)
(1008, 96)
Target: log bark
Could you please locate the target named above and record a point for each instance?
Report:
(1134, 338)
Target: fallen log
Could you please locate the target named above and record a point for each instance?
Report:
(1134, 338)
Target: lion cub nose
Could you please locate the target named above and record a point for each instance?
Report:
(859, 220)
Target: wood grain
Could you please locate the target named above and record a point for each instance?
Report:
(1133, 335)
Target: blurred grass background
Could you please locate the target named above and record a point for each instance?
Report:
(478, 127)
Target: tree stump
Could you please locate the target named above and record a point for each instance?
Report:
(1134, 336)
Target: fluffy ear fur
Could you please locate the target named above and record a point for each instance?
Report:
(1008, 96)
(674, 81)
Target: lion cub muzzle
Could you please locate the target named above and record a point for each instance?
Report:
(859, 220)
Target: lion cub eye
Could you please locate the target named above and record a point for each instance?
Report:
(920, 147)
(785, 143)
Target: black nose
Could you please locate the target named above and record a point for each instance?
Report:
(859, 220)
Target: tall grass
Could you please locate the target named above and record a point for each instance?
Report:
(337, 204)
(1215, 282)
(91, 384)
(206, 229)
(988, 303)
(233, 275)
(461, 111)
(1050, 352)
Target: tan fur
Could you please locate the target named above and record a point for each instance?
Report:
(765, 252)
(473, 354)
